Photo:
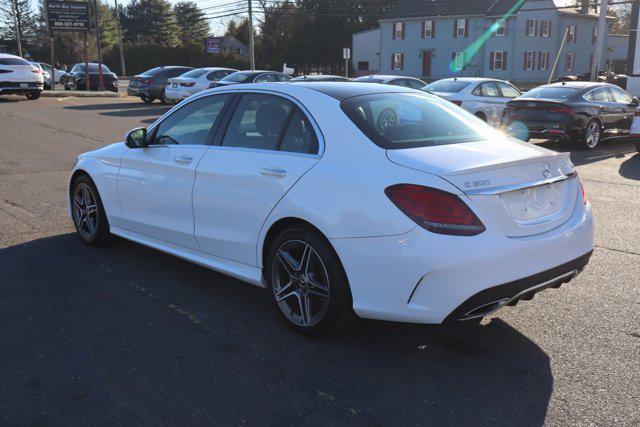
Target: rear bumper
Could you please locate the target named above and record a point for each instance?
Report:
(177, 94)
(7, 88)
(541, 130)
(421, 277)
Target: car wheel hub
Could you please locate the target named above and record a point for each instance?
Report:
(85, 211)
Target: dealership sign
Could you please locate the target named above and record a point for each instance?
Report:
(68, 15)
(212, 44)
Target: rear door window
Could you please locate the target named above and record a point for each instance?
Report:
(489, 89)
(258, 122)
(620, 96)
(300, 136)
(508, 91)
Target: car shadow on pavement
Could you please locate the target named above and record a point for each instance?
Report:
(123, 332)
(123, 109)
(607, 149)
(630, 168)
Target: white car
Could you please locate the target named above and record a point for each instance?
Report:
(194, 81)
(19, 76)
(297, 188)
(485, 98)
(403, 81)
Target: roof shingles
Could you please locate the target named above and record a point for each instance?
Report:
(418, 8)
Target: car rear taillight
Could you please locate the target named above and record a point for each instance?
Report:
(584, 195)
(458, 103)
(36, 71)
(435, 210)
(561, 110)
(192, 84)
(147, 81)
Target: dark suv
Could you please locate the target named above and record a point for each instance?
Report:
(76, 79)
(151, 84)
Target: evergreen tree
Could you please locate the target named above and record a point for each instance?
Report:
(26, 21)
(192, 24)
(150, 22)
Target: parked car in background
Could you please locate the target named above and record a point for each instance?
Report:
(485, 98)
(279, 185)
(59, 74)
(46, 77)
(19, 76)
(77, 77)
(194, 81)
(410, 82)
(320, 78)
(151, 84)
(252, 76)
(584, 112)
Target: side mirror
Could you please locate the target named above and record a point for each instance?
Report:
(635, 101)
(136, 138)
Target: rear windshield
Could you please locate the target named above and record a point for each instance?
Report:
(368, 80)
(407, 120)
(93, 68)
(152, 71)
(451, 86)
(194, 74)
(13, 61)
(237, 77)
(551, 92)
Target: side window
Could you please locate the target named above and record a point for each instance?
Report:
(415, 84)
(283, 78)
(258, 122)
(190, 125)
(489, 89)
(400, 82)
(477, 91)
(600, 95)
(300, 136)
(508, 91)
(620, 96)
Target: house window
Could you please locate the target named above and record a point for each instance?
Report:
(545, 27)
(543, 60)
(571, 36)
(500, 27)
(461, 28)
(428, 32)
(529, 59)
(363, 65)
(458, 61)
(569, 63)
(398, 61)
(398, 30)
(498, 60)
(531, 27)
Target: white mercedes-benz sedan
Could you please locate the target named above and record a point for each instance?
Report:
(310, 191)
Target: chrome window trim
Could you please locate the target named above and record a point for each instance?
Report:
(514, 187)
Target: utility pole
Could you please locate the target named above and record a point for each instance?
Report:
(52, 52)
(600, 37)
(122, 66)
(16, 23)
(100, 77)
(252, 58)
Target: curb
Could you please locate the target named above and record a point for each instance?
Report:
(78, 94)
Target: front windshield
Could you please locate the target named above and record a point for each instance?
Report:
(407, 120)
(551, 92)
(449, 86)
(237, 77)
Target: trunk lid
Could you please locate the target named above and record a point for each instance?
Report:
(518, 188)
(538, 110)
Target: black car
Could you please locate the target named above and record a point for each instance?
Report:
(76, 79)
(252, 76)
(584, 112)
(151, 84)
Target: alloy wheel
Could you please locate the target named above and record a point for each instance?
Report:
(300, 283)
(85, 211)
(592, 134)
(386, 119)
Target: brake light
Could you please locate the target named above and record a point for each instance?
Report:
(147, 81)
(562, 110)
(188, 84)
(435, 210)
(584, 195)
(36, 71)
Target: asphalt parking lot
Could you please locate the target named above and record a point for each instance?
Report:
(125, 334)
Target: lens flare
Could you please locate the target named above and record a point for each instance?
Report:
(458, 64)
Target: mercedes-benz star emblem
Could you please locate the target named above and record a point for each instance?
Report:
(546, 170)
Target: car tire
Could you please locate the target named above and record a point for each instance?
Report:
(87, 211)
(309, 287)
(147, 99)
(591, 134)
(481, 116)
(33, 95)
(163, 98)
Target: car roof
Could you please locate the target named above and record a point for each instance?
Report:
(338, 90)
(318, 77)
(8, 55)
(579, 85)
(384, 77)
(470, 79)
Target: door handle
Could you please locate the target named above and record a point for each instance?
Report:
(280, 173)
(183, 160)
